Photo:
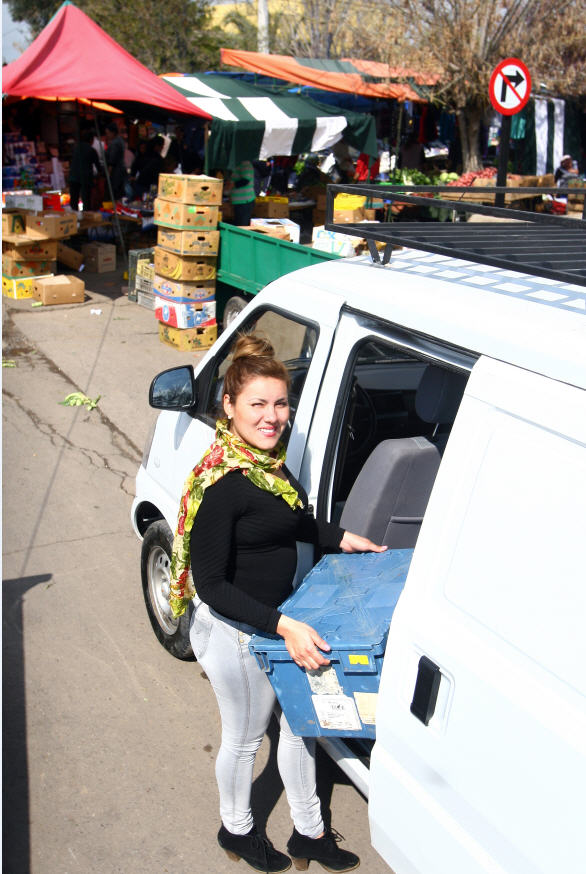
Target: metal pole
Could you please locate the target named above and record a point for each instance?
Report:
(501, 179)
(110, 190)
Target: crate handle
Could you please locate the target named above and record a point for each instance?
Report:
(263, 662)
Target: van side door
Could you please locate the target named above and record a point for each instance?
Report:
(479, 763)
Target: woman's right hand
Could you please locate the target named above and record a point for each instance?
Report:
(302, 642)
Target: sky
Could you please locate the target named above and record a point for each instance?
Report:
(13, 32)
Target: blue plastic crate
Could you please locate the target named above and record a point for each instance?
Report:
(349, 600)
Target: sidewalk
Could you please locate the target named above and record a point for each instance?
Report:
(106, 346)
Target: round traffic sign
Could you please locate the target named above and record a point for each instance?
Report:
(510, 86)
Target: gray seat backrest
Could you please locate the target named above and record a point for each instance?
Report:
(388, 499)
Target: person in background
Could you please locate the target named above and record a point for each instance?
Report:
(150, 166)
(84, 166)
(115, 160)
(558, 203)
(411, 154)
(241, 513)
(364, 172)
(242, 195)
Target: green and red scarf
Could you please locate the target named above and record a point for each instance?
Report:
(226, 453)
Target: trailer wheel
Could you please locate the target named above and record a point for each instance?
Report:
(233, 308)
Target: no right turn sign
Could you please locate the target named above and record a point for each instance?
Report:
(510, 86)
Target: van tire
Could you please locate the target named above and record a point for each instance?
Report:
(155, 560)
(233, 308)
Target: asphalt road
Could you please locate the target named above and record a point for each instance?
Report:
(109, 742)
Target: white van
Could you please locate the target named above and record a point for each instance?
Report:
(440, 404)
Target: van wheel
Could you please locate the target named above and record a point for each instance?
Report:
(233, 308)
(155, 562)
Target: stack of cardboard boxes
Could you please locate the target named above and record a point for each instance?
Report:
(185, 259)
(30, 242)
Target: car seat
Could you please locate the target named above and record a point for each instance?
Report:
(390, 494)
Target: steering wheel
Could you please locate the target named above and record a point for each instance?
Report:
(362, 421)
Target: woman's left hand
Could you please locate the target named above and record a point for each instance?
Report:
(355, 543)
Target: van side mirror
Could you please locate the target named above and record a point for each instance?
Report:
(174, 389)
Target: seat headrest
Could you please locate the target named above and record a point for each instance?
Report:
(439, 394)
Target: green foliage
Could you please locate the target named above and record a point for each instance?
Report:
(174, 36)
(36, 13)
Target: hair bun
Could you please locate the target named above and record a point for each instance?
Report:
(249, 345)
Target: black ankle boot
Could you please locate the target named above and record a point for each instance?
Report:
(324, 850)
(257, 851)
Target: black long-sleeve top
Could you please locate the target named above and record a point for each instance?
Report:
(243, 552)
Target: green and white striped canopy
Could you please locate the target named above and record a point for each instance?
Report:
(250, 122)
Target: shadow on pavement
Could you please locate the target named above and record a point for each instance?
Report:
(15, 797)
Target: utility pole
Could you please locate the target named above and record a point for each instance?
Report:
(263, 26)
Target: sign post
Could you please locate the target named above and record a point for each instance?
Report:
(509, 89)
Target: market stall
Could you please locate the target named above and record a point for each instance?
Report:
(251, 122)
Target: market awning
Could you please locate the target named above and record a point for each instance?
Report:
(74, 58)
(354, 76)
(250, 122)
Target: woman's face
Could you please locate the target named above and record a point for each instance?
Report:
(260, 412)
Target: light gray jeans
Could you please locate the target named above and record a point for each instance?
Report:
(246, 700)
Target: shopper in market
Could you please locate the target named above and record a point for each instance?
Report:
(241, 513)
(242, 195)
(83, 170)
(115, 160)
(149, 168)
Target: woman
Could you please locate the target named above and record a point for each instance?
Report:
(239, 538)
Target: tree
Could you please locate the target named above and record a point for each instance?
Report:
(463, 40)
(174, 36)
(315, 29)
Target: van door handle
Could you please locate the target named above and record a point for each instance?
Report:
(426, 690)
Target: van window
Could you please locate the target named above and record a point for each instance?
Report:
(294, 343)
(398, 410)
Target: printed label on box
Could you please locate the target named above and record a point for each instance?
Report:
(336, 712)
(324, 681)
(366, 703)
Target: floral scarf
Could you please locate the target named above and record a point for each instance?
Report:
(226, 453)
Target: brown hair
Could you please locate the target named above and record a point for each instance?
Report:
(252, 356)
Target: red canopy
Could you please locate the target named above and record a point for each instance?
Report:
(73, 57)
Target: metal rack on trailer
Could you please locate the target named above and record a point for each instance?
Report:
(540, 244)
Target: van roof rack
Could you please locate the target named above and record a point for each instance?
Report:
(540, 244)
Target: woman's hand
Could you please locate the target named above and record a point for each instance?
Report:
(355, 543)
(302, 642)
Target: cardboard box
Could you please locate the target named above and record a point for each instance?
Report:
(68, 256)
(32, 202)
(18, 288)
(22, 247)
(59, 289)
(185, 315)
(16, 268)
(99, 257)
(186, 267)
(349, 215)
(189, 242)
(54, 225)
(185, 216)
(270, 230)
(266, 208)
(184, 292)
(90, 219)
(13, 222)
(189, 339)
(190, 188)
(292, 228)
(317, 193)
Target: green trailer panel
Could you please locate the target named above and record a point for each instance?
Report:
(250, 260)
